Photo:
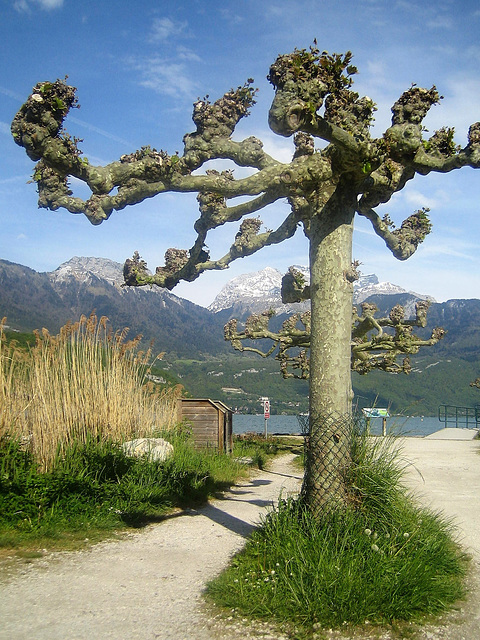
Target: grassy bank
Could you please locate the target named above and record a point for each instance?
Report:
(67, 403)
(87, 382)
(383, 559)
(93, 489)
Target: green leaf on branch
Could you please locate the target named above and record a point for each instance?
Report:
(367, 167)
(58, 104)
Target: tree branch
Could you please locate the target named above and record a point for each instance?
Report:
(289, 337)
(376, 342)
(184, 265)
(314, 99)
(402, 242)
(374, 348)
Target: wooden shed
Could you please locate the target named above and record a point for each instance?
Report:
(211, 422)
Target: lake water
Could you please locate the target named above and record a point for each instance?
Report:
(397, 425)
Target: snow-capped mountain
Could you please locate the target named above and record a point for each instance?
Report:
(255, 292)
(83, 268)
(369, 285)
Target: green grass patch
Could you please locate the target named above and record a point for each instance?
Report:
(383, 559)
(94, 490)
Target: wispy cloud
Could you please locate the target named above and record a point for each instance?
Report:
(416, 199)
(101, 132)
(10, 94)
(165, 28)
(432, 15)
(164, 76)
(454, 248)
(459, 108)
(188, 55)
(440, 22)
(231, 16)
(13, 179)
(5, 128)
(48, 5)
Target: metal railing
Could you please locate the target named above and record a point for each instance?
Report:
(466, 417)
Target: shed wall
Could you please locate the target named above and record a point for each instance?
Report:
(210, 421)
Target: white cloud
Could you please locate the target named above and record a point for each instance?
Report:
(232, 17)
(102, 132)
(50, 4)
(188, 55)
(24, 5)
(5, 129)
(11, 94)
(15, 179)
(440, 22)
(459, 108)
(453, 247)
(417, 200)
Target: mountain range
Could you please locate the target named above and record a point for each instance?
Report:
(255, 292)
(192, 336)
(32, 300)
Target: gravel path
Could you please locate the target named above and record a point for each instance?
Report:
(150, 584)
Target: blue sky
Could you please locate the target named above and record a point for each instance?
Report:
(140, 64)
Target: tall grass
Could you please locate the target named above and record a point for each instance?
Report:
(383, 559)
(85, 383)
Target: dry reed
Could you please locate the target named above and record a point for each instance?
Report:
(86, 382)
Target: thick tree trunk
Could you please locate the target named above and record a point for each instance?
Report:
(331, 290)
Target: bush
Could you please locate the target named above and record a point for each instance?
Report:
(255, 447)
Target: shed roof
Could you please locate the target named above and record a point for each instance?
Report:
(218, 404)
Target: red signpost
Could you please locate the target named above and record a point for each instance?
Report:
(266, 409)
(266, 413)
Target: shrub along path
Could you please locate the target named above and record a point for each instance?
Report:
(149, 585)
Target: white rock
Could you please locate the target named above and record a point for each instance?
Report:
(156, 449)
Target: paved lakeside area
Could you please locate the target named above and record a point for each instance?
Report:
(444, 470)
(149, 585)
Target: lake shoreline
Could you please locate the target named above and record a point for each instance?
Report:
(401, 426)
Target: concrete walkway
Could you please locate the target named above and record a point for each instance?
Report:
(450, 433)
(444, 471)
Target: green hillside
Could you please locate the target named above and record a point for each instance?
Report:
(241, 381)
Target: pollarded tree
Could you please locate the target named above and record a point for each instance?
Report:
(376, 343)
(352, 174)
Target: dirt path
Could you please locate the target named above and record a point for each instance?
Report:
(150, 584)
(146, 586)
